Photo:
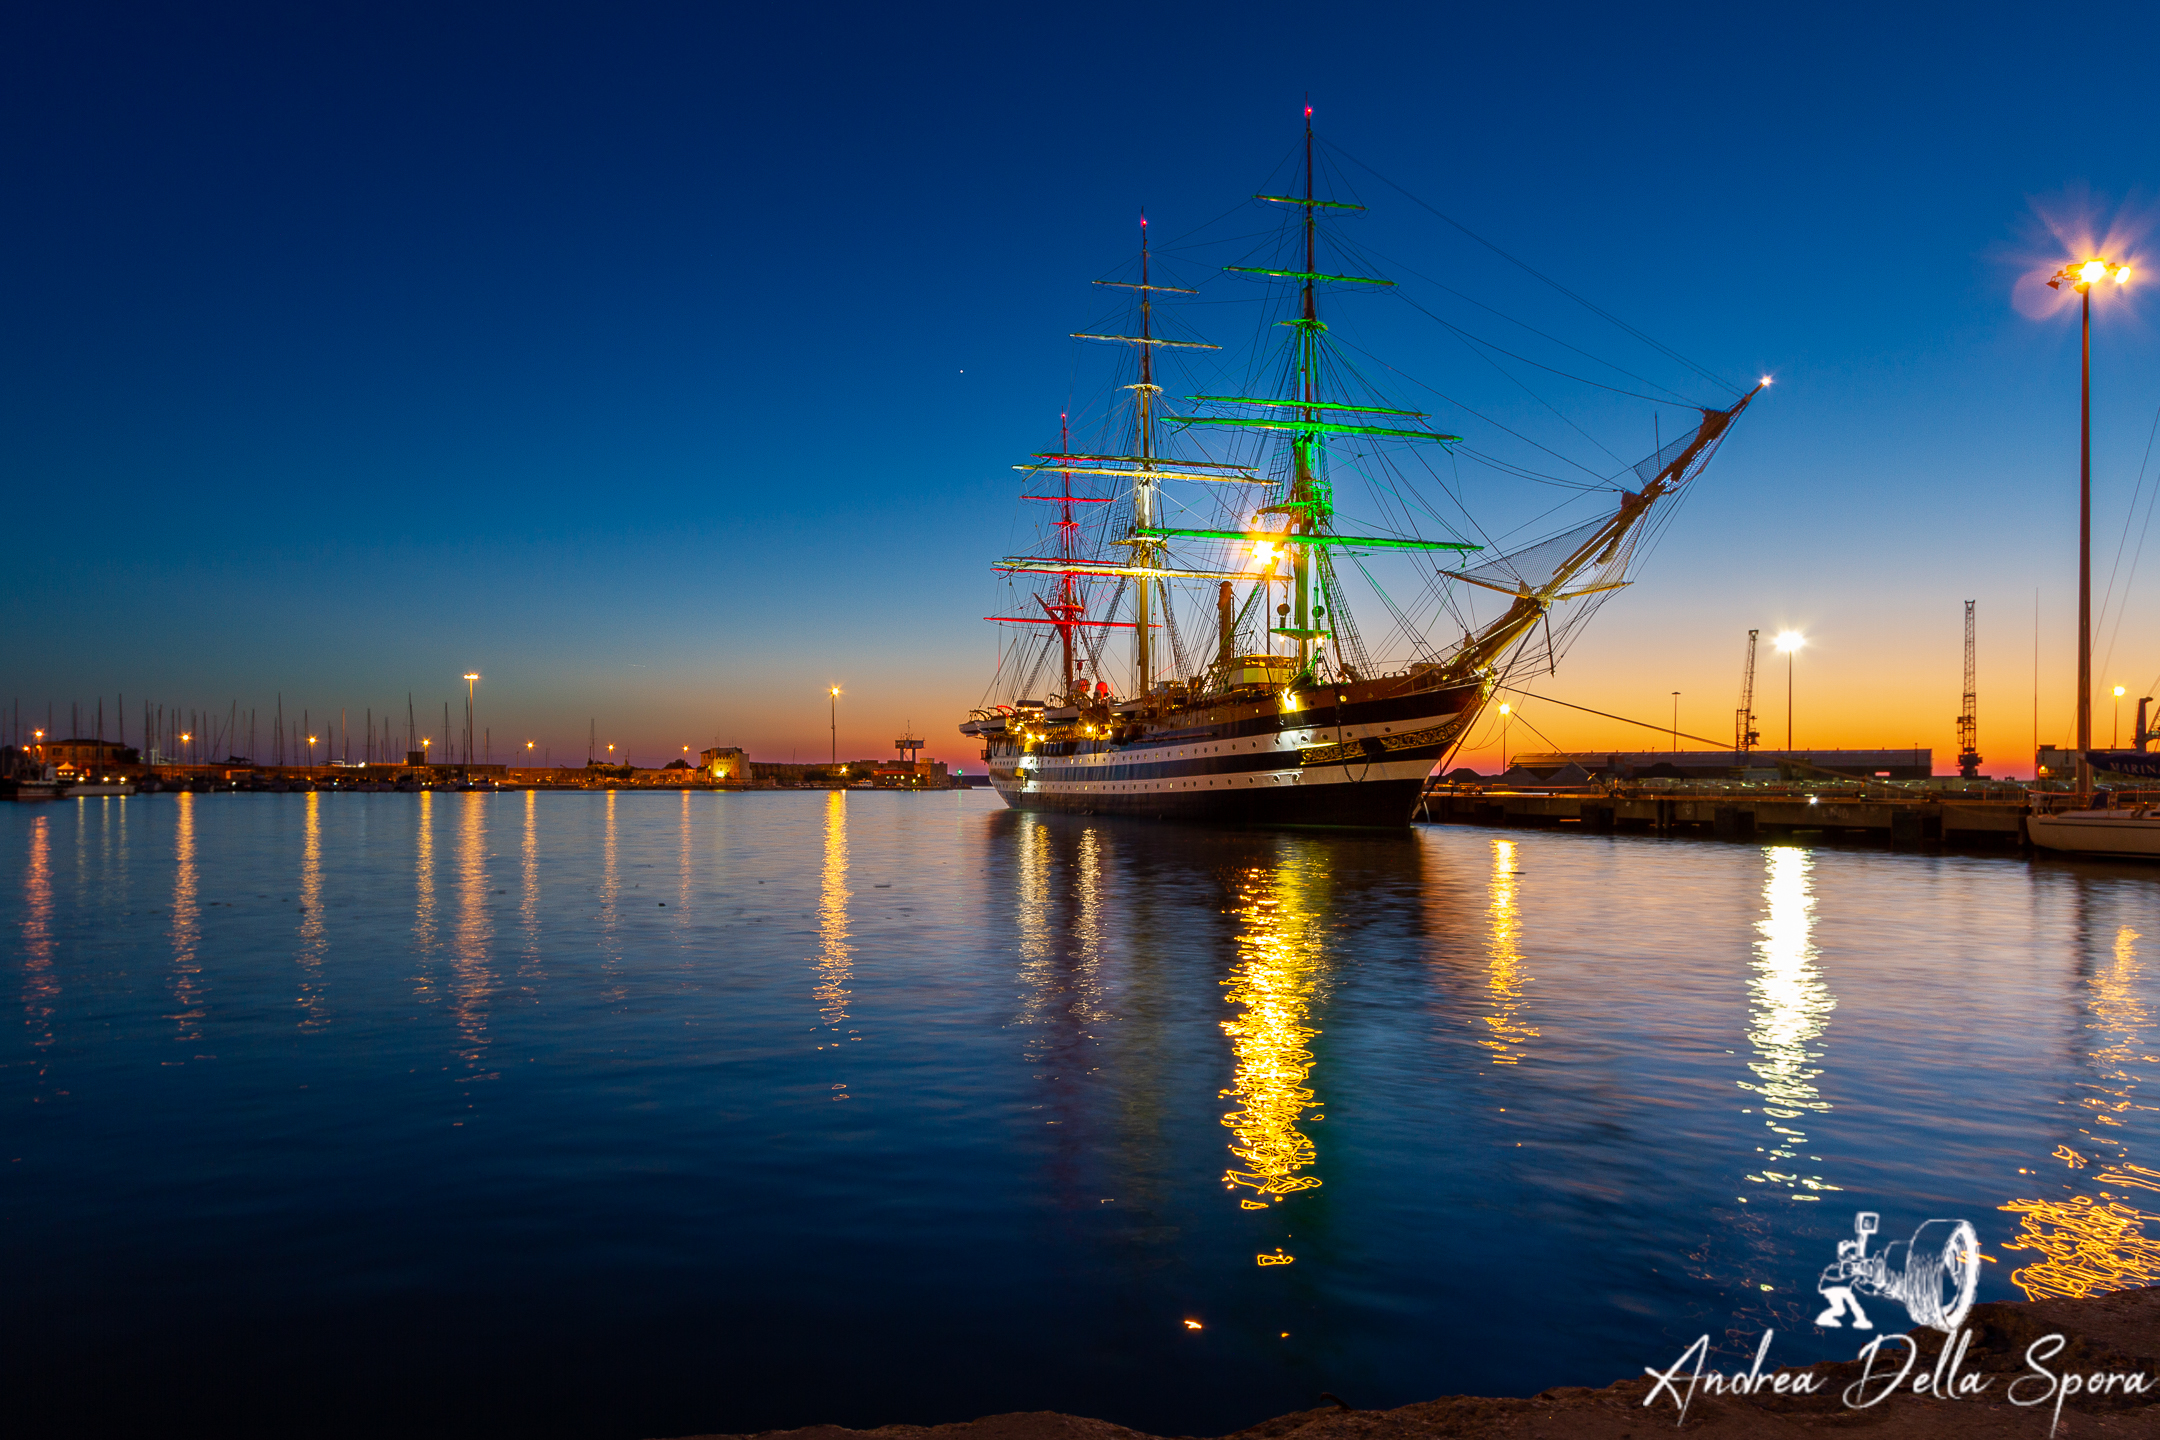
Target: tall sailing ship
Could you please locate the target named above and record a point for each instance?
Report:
(1288, 720)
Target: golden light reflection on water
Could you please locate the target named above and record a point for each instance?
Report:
(2097, 1241)
(186, 932)
(1274, 982)
(610, 902)
(1789, 1007)
(529, 899)
(41, 988)
(1061, 994)
(835, 957)
(683, 859)
(424, 893)
(312, 942)
(471, 980)
(1504, 976)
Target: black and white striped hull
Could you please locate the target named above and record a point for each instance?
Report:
(1359, 761)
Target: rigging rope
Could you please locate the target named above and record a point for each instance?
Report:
(1527, 269)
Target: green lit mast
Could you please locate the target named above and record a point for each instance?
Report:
(1309, 502)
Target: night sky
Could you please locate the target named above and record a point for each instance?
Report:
(664, 364)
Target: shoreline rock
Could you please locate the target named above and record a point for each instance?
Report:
(2118, 1332)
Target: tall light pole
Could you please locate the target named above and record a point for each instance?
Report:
(470, 677)
(1504, 711)
(1788, 644)
(2115, 738)
(835, 724)
(2081, 278)
(1676, 722)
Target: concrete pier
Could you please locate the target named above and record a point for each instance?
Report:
(1977, 819)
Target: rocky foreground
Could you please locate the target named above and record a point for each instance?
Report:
(2115, 1334)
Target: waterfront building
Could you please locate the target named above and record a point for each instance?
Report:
(74, 756)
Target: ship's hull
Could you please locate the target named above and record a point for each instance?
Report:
(1353, 755)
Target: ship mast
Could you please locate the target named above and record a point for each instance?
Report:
(1146, 548)
(1305, 515)
(1068, 609)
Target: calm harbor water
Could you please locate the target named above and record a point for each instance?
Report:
(647, 1114)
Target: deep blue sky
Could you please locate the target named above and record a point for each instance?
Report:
(664, 363)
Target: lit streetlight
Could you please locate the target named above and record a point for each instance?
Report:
(2115, 739)
(1505, 710)
(835, 724)
(1676, 722)
(2082, 277)
(470, 677)
(1788, 644)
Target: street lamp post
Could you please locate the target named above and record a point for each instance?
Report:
(2081, 278)
(1789, 643)
(1505, 708)
(469, 679)
(835, 702)
(2115, 737)
(1676, 722)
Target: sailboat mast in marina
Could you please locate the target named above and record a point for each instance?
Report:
(1289, 720)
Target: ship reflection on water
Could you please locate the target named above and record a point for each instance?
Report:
(1322, 1095)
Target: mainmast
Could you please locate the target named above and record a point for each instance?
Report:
(1308, 502)
(1305, 512)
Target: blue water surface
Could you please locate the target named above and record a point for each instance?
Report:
(625, 1115)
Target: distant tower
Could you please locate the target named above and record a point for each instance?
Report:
(1968, 725)
(909, 745)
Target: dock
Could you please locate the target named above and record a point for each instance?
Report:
(1978, 818)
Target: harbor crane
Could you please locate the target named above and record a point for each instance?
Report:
(1744, 732)
(1968, 723)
